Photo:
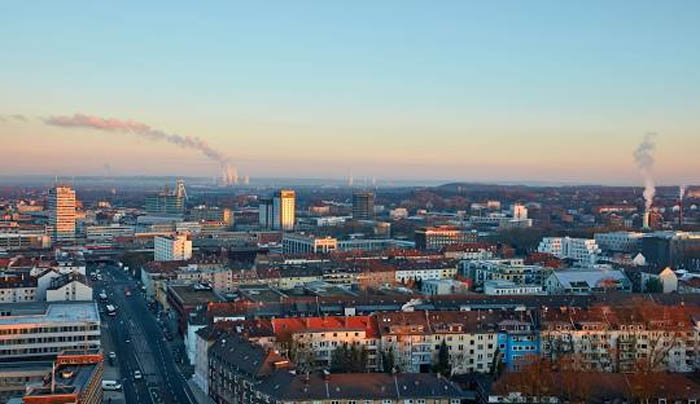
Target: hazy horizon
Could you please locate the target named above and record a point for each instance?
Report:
(534, 92)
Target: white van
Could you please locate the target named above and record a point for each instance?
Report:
(111, 385)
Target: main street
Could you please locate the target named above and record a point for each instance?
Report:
(140, 344)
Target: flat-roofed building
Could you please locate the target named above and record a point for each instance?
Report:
(77, 380)
(20, 240)
(62, 213)
(435, 238)
(300, 243)
(109, 232)
(42, 330)
(16, 377)
(177, 247)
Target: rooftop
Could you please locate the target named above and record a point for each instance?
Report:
(41, 312)
(192, 295)
(285, 385)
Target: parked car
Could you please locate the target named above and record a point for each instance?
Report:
(137, 375)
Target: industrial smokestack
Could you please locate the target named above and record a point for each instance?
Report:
(681, 194)
(645, 220)
(644, 157)
(229, 175)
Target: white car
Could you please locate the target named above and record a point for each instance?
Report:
(137, 375)
(111, 385)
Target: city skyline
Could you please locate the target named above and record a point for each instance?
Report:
(463, 92)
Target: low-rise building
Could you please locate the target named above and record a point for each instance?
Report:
(40, 330)
(184, 299)
(301, 243)
(507, 288)
(176, 247)
(619, 241)
(585, 251)
(21, 240)
(593, 387)
(585, 281)
(109, 232)
(434, 287)
(512, 270)
(239, 369)
(666, 278)
(76, 379)
(407, 270)
(311, 341)
(16, 287)
(518, 340)
(435, 238)
(414, 338)
(645, 337)
(68, 287)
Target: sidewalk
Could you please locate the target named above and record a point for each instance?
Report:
(199, 395)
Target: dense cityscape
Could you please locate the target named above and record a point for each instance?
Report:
(350, 202)
(229, 292)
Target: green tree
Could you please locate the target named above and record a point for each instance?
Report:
(339, 359)
(497, 366)
(443, 365)
(388, 360)
(349, 358)
(653, 285)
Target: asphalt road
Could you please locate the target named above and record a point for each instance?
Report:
(147, 351)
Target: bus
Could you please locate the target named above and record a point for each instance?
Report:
(111, 310)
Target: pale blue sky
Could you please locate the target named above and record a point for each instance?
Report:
(447, 89)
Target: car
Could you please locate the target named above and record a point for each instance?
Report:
(127, 340)
(112, 355)
(137, 375)
(111, 385)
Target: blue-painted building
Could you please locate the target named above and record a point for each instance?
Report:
(518, 340)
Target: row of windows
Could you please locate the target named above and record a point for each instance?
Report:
(47, 330)
(41, 340)
(41, 350)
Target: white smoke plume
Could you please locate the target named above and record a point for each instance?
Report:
(644, 157)
(136, 128)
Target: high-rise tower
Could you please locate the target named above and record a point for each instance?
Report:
(363, 205)
(62, 213)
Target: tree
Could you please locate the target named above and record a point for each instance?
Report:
(443, 366)
(497, 366)
(349, 359)
(388, 360)
(339, 359)
(135, 260)
(303, 358)
(653, 285)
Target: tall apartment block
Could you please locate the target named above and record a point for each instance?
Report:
(363, 205)
(278, 212)
(62, 213)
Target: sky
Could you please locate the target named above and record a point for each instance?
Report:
(453, 90)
